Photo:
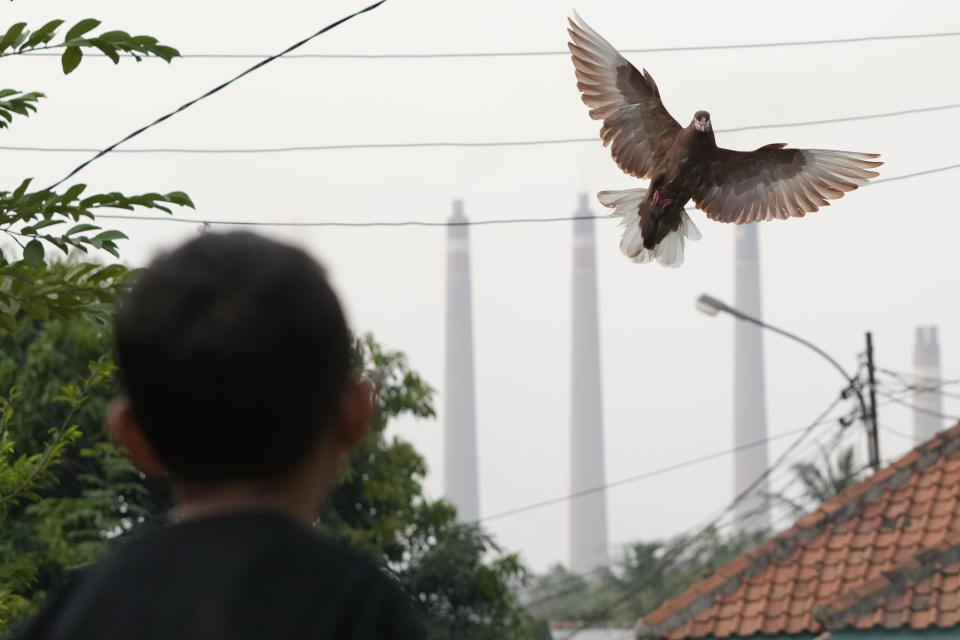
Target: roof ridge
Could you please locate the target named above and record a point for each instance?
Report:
(676, 612)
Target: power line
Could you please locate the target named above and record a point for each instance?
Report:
(932, 384)
(915, 174)
(559, 52)
(463, 144)
(910, 389)
(403, 223)
(419, 223)
(843, 432)
(216, 89)
(895, 432)
(642, 476)
(914, 407)
(732, 505)
(903, 375)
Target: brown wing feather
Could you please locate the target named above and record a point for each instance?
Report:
(636, 126)
(773, 182)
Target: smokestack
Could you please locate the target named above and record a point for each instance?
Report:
(749, 399)
(460, 443)
(926, 368)
(588, 514)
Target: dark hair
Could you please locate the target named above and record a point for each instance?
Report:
(235, 353)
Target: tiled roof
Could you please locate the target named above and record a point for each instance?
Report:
(883, 553)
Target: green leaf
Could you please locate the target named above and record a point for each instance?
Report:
(165, 52)
(42, 35)
(109, 235)
(7, 92)
(22, 189)
(72, 193)
(81, 28)
(114, 36)
(8, 323)
(110, 271)
(35, 309)
(46, 223)
(180, 198)
(33, 253)
(11, 35)
(143, 40)
(108, 49)
(80, 228)
(71, 59)
(17, 107)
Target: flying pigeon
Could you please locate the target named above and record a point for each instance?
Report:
(686, 164)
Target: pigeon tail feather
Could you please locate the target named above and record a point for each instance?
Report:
(669, 251)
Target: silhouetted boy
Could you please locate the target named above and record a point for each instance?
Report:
(237, 364)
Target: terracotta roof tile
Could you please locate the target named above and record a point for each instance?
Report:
(944, 507)
(948, 619)
(798, 624)
(893, 619)
(726, 627)
(782, 589)
(883, 553)
(750, 625)
(758, 590)
(775, 624)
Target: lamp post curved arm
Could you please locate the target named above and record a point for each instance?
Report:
(712, 306)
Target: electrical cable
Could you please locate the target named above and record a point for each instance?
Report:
(692, 540)
(559, 52)
(896, 432)
(643, 476)
(820, 419)
(456, 144)
(416, 223)
(216, 89)
(914, 407)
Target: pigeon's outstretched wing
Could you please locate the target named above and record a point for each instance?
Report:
(635, 122)
(773, 182)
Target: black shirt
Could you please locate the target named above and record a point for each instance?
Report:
(233, 577)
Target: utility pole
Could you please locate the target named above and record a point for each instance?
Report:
(873, 437)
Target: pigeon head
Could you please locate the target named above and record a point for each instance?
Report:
(701, 121)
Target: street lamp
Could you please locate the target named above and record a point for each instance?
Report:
(712, 306)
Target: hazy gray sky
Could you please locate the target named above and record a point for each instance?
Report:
(881, 259)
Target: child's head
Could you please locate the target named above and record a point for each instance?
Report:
(236, 359)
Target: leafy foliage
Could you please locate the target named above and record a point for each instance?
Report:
(37, 219)
(93, 493)
(820, 482)
(39, 210)
(24, 476)
(13, 101)
(64, 490)
(651, 574)
(463, 582)
(18, 39)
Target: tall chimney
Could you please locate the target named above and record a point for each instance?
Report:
(749, 399)
(927, 420)
(460, 443)
(588, 513)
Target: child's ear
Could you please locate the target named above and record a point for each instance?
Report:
(356, 412)
(126, 432)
